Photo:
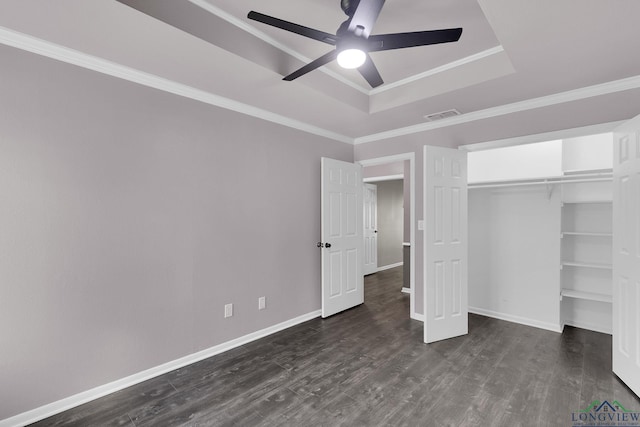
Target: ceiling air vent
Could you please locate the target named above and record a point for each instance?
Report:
(442, 115)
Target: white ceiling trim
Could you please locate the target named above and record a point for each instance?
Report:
(273, 42)
(446, 67)
(529, 104)
(71, 56)
(51, 50)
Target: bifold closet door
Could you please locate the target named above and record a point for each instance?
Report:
(445, 243)
(626, 254)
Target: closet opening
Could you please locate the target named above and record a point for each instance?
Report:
(540, 233)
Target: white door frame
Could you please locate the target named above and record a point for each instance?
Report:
(411, 157)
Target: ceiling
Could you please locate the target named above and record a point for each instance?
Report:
(518, 60)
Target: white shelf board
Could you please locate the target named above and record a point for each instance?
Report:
(587, 265)
(574, 172)
(585, 202)
(585, 233)
(591, 296)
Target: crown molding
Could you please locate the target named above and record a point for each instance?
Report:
(446, 67)
(529, 104)
(71, 56)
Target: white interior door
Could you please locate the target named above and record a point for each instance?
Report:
(342, 242)
(445, 243)
(626, 254)
(370, 229)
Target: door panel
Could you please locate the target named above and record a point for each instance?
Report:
(626, 254)
(341, 234)
(445, 210)
(370, 228)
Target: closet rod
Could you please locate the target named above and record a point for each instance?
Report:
(543, 182)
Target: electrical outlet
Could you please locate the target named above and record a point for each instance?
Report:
(262, 303)
(228, 310)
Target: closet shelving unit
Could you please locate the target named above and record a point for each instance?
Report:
(568, 280)
(585, 240)
(586, 249)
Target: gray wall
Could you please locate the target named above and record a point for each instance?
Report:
(129, 217)
(390, 222)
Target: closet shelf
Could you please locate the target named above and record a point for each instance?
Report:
(574, 172)
(587, 265)
(585, 233)
(591, 296)
(586, 202)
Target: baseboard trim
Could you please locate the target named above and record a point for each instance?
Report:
(589, 326)
(406, 290)
(418, 317)
(62, 405)
(390, 266)
(516, 319)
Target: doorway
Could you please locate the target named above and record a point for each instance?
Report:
(407, 176)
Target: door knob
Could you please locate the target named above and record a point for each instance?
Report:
(327, 245)
(320, 245)
(375, 231)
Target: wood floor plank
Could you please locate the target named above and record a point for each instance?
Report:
(368, 366)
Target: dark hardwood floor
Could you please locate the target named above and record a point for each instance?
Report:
(369, 367)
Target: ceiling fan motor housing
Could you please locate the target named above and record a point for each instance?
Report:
(351, 41)
(349, 6)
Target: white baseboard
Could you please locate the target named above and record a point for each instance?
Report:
(406, 290)
(390, 266)
(589, 326)
(50, 409)
(417, 316)
(516, 319)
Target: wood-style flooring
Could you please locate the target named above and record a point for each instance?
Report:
(369, 367)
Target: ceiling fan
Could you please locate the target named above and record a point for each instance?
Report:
(353, 40)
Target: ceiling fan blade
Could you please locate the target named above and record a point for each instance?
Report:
(294, 28)
(365, 16)
(370, 73)
(418, 38)
(324, 59)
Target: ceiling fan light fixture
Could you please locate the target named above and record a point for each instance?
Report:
(351, 58)
(353, 41)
